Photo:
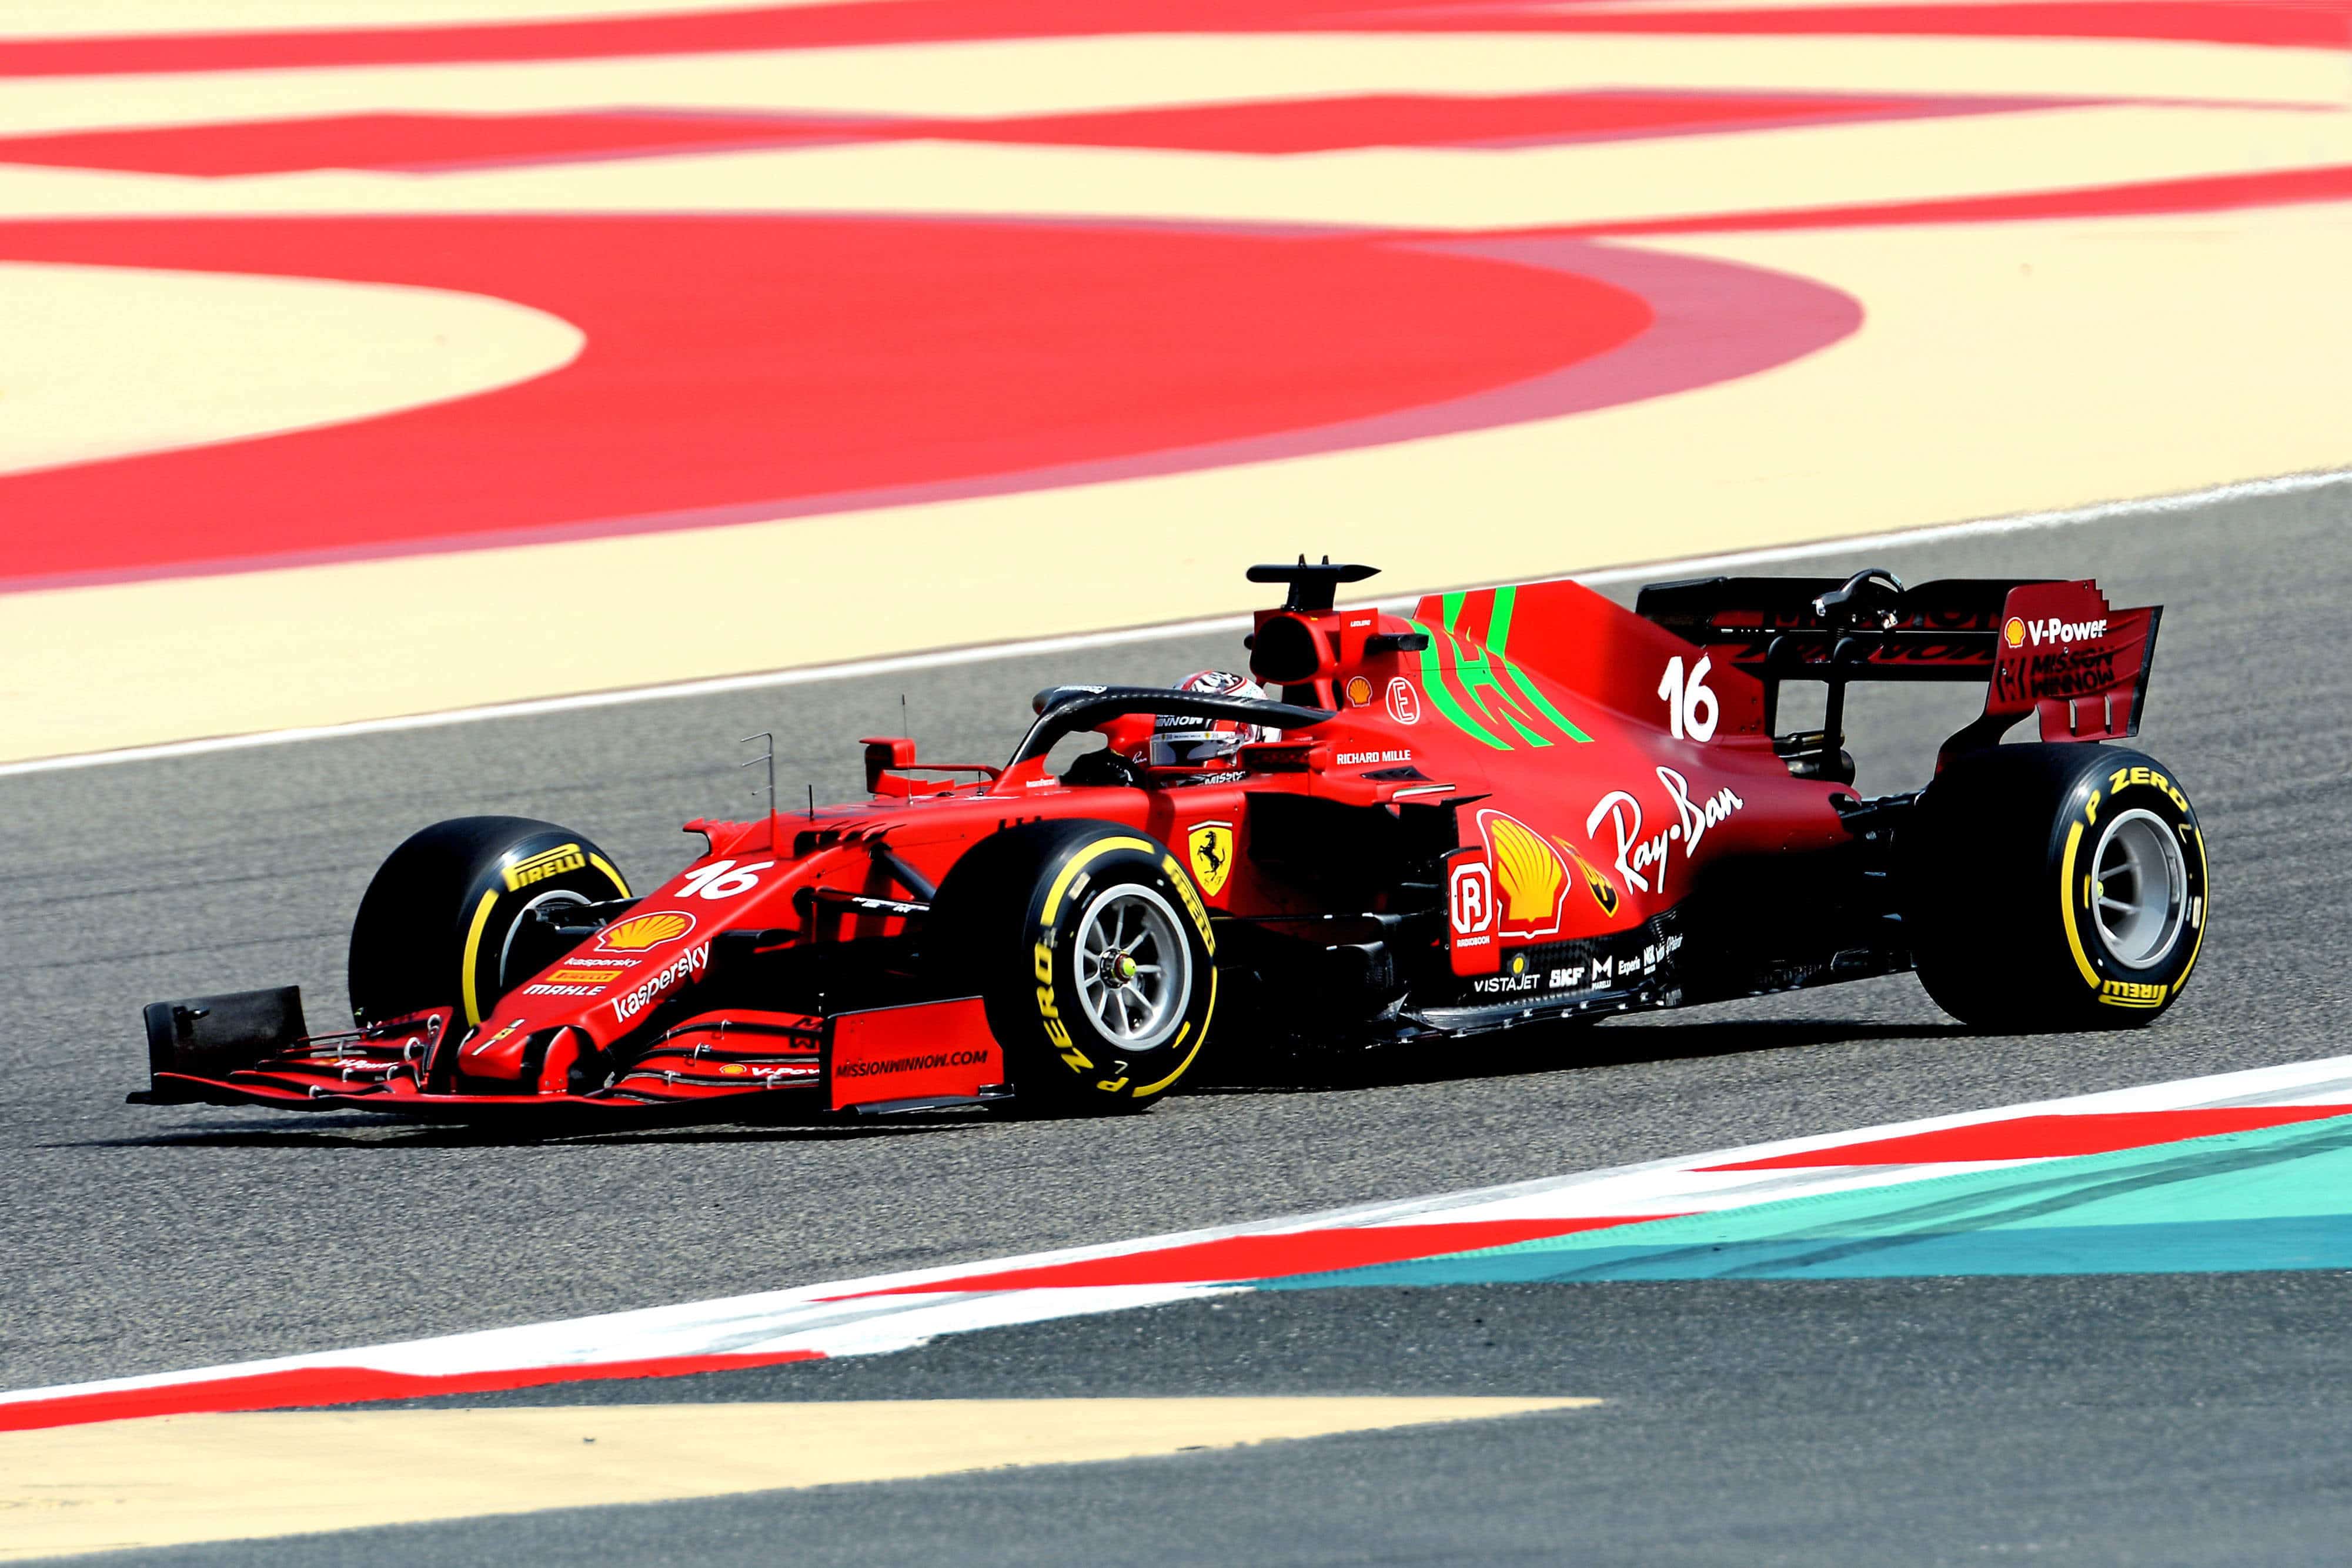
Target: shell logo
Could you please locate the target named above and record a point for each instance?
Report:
(1530, 874)
(2015, 632)
(641, 932)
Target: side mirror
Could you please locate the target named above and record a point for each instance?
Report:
(883, 753)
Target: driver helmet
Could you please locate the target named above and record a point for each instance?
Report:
(1188, 740)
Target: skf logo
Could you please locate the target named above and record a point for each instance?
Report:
(645, 931)
(1470, 900)
(2061, 633)
(1596, 881)
(1404, 704)
(2015, 632)
(1534, 879)
(545, 864)
(1210, 848)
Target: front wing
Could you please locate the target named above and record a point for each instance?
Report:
(247, 1049)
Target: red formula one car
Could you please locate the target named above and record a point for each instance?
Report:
(1514, 804)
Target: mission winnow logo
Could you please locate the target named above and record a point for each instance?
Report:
(910, 1064)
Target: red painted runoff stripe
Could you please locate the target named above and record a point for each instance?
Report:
(2046, 1137)
(403, 141)
(2307, 24)
(2299, 24)
(310, 1386)
(1419, 120)
(758, 360)
(2202, 194)
(424, 141)
(1276, 1257)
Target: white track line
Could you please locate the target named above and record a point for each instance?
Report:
(2285, 485)
(888, 1313)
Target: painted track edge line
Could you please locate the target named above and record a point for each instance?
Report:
(896, 664)
(825, 1319)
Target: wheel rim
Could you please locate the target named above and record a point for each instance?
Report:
(2139, 889)
(1135, 969)
(507, 979)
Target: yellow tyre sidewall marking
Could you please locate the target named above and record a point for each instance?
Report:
(610, 870)
(2205, 910)
(2067, 901)
(1068, 1053)
(1053, 907)
(481, 923)
(1145, 1091)
(1078, 863)
(473, 952)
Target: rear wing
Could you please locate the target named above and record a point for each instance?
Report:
(2042, 646)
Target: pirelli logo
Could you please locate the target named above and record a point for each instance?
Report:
(585, 975)
(2131, 994)
(545, 864)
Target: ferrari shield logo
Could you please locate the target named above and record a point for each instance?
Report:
(1211, 852)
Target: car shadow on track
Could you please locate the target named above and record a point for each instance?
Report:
(1544, 1048)
(366, 1132)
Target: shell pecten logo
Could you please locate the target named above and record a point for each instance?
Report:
(640, 932)
(2015, 632)
(1530, 873)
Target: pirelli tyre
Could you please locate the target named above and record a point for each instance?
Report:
(1093, 952)
(447, 921)
(2054, 887)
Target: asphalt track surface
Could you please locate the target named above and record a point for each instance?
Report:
(2119, 1420)
(2083, 1421)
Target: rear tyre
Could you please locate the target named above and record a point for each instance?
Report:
(446, 922)
(1092, 951)
(2054, 887)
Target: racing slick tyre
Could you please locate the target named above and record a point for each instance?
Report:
(2054, 887)
(1092, 951)
(446, 920)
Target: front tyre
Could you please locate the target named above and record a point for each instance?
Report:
(1093, 953)
(446, 920)
(2055, 887)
